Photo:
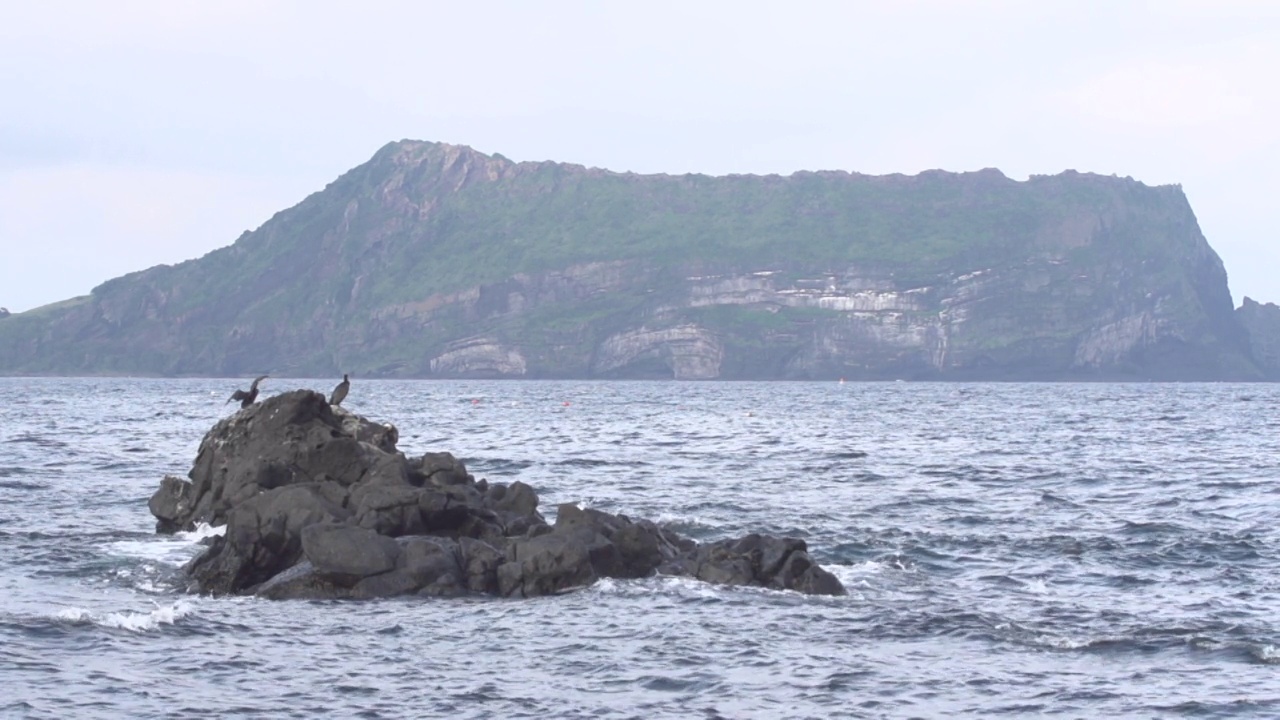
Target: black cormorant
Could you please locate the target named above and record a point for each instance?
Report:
(247, 397)
(340, 391)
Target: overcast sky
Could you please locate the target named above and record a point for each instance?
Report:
(141, 132)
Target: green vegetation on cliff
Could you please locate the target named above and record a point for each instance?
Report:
(434, 259)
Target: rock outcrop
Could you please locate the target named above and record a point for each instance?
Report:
(1262, 322)
(318, 503)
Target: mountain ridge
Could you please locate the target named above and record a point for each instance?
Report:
(437, 260)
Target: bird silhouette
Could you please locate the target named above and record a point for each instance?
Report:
(247, 397)
(340, 391)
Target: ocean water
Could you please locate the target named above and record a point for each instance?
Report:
(1098, 550)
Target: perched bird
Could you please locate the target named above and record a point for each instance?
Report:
(340, 391)
(247, 397)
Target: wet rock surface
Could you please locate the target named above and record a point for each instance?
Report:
(319, 503)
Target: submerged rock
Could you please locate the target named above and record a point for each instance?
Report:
(319, 503)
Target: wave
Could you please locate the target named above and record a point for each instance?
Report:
(1060, 642)
(1266, 654)
(174, 550)
(202, 531)
(131, 621)
(595, 463)
(496, 466)
(38, 440)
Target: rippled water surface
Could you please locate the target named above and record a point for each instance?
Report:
(1019, 550)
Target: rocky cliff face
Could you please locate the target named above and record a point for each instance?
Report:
(439, 261)
(1262, 324)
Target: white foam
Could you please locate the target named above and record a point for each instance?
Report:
(1062, 643)
(166, 550)
(688, 586)
(856, 574)
(691, 521)
(173, 550)
(1037, 587)
(147, 586)
(72, 614)
(1065, 643)
(607, 586)
(132, 621)
(1269, 654)
(202, 531)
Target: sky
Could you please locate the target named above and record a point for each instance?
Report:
(140, 132)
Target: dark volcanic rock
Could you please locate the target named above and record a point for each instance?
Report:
(347, 551)
(318, 503)
(293, 438)
(171, 504)
(779, 563)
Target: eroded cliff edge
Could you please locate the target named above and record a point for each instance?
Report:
(1262, 325)
(435, 260)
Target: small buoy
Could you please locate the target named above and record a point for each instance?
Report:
(566, 403)
(475, 401)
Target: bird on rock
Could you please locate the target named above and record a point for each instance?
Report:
(340, 391)
(247, 397)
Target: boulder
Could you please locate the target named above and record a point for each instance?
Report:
(348, 552)
(301, 582)
(441, 469)
(291, 438)
(479, 563)
(264, 537)
(758, 560)
(548, 564)
(318, 503)
(383, 437)
(171, 504)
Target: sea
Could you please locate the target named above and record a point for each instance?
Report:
(1010, 550)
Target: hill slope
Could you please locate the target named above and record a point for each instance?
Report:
(437, 260)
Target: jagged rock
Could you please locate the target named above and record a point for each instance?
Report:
(171, 504)
(301, 582)
(548, 564)
(388, 584)
(389, 509)
(760, 560)
(289, 439)
(441, 469)
(640, 547)
(318, 504)
(346, 551)
(383, 437)
(425, 565)
(429, 558)
(480, 562)
(517, 499)
(264, 537)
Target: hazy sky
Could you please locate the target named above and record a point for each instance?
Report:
(141, 132)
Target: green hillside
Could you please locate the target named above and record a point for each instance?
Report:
(436, 256)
